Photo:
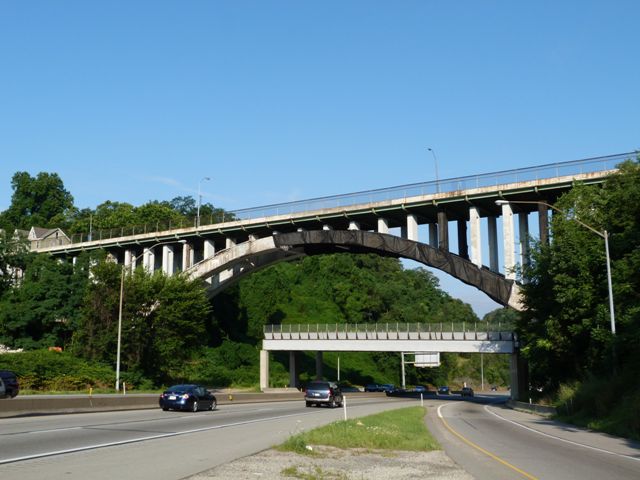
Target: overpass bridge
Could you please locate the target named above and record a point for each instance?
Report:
(421, 339)
(453, 225)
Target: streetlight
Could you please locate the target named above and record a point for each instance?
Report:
(603, 234)
(133, 260)
(200, 200)
(435, 161)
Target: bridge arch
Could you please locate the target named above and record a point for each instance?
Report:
(230, 265)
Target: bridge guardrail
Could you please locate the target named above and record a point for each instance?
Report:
(392, 331)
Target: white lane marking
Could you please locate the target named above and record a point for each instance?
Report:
(142, 439)
(589, 447)
(55, 430)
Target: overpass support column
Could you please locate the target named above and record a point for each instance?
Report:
(264, 369)
(128, 257)
(509, 242)
(318, 365)
(209, 249)
(523, 225)
(492, 225)
(383, 225)
(543, 223)
(463, 245)
(167, 259)
(519, 377)
(227, 274)
(412, 227)
(293, 370)
(476, 238)
(187, 256)
(148, 260)
(433, 235)
(443, 231)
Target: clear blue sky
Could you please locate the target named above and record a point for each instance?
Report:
(279, 101)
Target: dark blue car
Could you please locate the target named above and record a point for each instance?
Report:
(187, 397)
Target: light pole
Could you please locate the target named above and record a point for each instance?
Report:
(603, 234)
(133, 260)
(200, 200)
(435, 161)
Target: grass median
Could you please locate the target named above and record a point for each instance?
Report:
(402, 429)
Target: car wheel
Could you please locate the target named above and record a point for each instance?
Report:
(333, 403)
(214, 404)
(195, 406)
(165, 409)
(308, 404)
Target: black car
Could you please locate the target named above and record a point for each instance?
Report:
(11, 387)
(323, 393)
(187, 397)
(444, 390)
(466, 392)
(373, 387)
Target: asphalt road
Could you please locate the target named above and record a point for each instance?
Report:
(152, 444)
(495, 442)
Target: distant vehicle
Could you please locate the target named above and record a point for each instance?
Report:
(373, 387)
(444, 390)
(187, 397)
(388, 387)
(420, 389)
(323, 392)
(494, 388)
(348, 388)
(2, 389)
(466, 392)
(10, 381)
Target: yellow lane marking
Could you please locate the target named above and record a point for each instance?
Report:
(486, 452)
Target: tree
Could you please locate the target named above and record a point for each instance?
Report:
(41, 201)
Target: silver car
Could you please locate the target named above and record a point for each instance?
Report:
(323, 392)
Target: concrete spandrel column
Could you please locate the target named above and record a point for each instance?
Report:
(543, 223)
(443, 231)
(74, 261)
(523, 233)
(128, 256)
(476, 238)
(327, 227)
(463, 244)
(264, 370)
(433, 235)
(230, 242)
(148, 260)
(253, 237)
(412, 227)
(167, 259)
(227, 274)
(209, 249)
(492, 229)
(186, 257)
(319, 365)
(383, 225)
(508, 237)
(353, 225)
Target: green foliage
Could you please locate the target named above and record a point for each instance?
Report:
(56, 371)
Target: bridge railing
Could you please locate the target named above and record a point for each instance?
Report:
(552, 170)
(498, 331)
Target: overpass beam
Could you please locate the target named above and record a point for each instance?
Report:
(476, 238)
(508, 236)
(264, 369)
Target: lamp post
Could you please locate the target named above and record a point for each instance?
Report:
(133, 260)
(200, 200)
(435, 161)
(603, 234)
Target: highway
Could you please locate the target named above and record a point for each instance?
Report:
(491, 441)
(487, 439)
(152, 444)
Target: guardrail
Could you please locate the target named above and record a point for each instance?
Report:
(392, 331)
(541, 172)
